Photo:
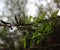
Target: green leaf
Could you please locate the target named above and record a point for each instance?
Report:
(54, 14)
(28, 20)
(25, 42)
(39, 18)
(30, 17)
(42, 16)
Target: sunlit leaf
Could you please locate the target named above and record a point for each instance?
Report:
(25, 42)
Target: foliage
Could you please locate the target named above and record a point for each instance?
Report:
(29, 33)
